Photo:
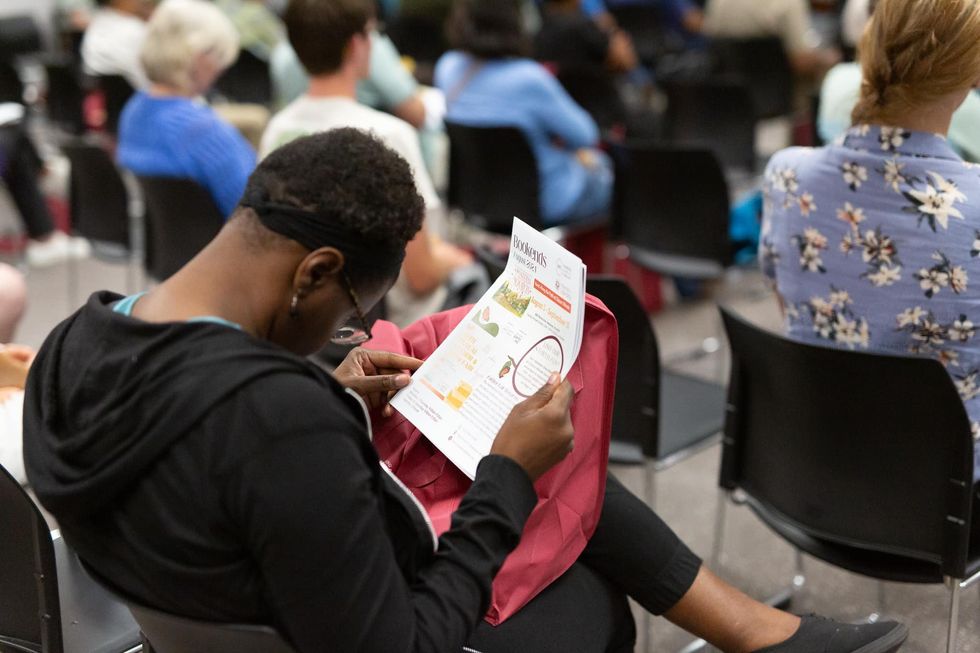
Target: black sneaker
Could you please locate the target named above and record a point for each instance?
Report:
(822, 635)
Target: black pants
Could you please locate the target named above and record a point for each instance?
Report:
(20, 166)
(633, 552)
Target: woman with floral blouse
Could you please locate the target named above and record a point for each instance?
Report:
(874, 241)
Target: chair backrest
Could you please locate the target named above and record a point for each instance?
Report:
(97, 196)
(246, 80)
(718, 115)
(11, 86)
(65, 95)
(181, 218)
(594, 90)
(637, 403)
(30, 614)
(169, 633)
(493, 176)
(116, 91)
(859, 449)
(19, 35)
(762, 65)
(672, 202)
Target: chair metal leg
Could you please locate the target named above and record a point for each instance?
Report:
(799, 578)
(954, 613)
(650, 496)
(71, 268)
(720, 513)
(879, 612)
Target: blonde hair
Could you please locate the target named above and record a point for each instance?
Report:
(914, 51)
(178, 33)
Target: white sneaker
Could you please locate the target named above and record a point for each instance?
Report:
(57, 248)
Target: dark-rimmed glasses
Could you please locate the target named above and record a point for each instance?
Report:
(353, 335)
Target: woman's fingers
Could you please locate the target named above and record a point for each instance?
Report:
(389, 360)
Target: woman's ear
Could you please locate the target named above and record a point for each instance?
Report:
(318, 268)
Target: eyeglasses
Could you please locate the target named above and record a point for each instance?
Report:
(352, 335)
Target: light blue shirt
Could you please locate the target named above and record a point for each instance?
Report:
(874, 244)
(521, 93)
(842, 87)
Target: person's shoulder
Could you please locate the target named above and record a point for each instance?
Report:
(792, 156)
(449, 67)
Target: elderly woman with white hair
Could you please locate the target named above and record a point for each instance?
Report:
(167, 130)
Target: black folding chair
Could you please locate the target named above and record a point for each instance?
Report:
(19, 36)
(116, 91)
(99, 206)
(48, 604)
(671, 209)
(594, 90)
(762, 66)
(716, 115)
(483, 162)
(65, 94)
(181, 218)
(862, 460)
(246, 80)
(11, 86)
(660, 417)
(167, 633)
(493, 176)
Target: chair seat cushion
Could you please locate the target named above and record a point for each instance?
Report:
(92, 620)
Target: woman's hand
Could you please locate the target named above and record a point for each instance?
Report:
(376, 375)
(15, 361)
(538, 433)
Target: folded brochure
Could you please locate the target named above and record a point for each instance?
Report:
(527, 325)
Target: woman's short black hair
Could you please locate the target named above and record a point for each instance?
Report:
(489, 29)
(351, 177)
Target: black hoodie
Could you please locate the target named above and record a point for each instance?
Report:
(217, 476)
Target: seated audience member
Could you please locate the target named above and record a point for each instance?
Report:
(114, 38)
(332, 39)
(569, 39)
(842, 87)
(870, 241)
(254, 495)
(681, 17)
(20, 171)
(389, 86)
(15, 362)
(167, 130)
(853, 19)
(787, 19)
(489, 82)
(260, 30)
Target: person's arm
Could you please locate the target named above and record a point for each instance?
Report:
(621, 56)
(429, 261)
(390, 81)
(411, 111)
(308, 508)
(559, 115)
(804, 57)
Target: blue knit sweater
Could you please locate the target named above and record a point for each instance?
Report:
(178, 137)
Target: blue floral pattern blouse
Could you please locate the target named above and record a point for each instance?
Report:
(873, 243)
